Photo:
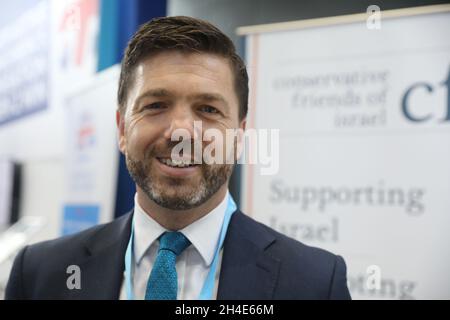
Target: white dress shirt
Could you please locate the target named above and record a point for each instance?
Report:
(192, 265)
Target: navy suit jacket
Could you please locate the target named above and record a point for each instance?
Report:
(257, 263)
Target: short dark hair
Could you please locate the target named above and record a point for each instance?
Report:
(184, 34)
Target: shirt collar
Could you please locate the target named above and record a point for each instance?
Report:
(203, 233)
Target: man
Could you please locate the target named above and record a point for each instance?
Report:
(185, 239)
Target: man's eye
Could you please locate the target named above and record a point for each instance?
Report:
(209, 109)
(155, 105)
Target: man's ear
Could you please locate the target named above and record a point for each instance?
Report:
(120, 121)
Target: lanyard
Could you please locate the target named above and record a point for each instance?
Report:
(208, 286)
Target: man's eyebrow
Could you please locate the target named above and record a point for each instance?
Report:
(211, 97)
(164, 93)
(153, 93)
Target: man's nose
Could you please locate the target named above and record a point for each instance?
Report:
(182, 122)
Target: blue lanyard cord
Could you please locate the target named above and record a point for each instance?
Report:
(128, 265)
(208, 286)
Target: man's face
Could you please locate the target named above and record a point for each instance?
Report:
(170, 91)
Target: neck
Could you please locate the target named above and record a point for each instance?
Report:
(174, 220)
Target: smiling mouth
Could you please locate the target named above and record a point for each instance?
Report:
(184, 163)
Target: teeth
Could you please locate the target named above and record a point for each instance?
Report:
(176, 163)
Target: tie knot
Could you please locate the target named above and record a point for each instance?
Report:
(173, 241)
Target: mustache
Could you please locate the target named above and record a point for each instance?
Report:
(165, 149)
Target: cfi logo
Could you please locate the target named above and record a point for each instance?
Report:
(430, 89)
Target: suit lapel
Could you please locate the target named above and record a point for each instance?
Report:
(102, 269)
(247, 271)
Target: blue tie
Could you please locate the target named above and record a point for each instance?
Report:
(163, 281)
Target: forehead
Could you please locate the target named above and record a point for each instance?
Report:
(208, 68)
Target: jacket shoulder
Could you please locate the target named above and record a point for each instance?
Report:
(314, 270)
(282, 244)
(37, 264)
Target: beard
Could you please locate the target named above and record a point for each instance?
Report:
(177, 193)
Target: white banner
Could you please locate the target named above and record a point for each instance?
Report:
(364, 119)
(92, 153)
